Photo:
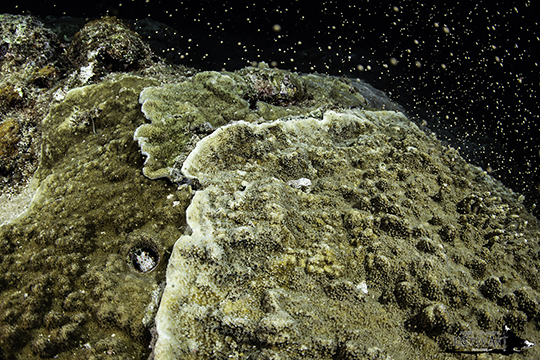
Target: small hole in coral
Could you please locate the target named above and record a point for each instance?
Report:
(144, 258)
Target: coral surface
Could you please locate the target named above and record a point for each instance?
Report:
(396, 247)
(311, 218)
(182, 113)
(107, 45)
(30, 58)
(69, 284)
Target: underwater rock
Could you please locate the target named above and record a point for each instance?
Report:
(26, 42)
(270, 266)
(30, 59)
(272, 86)
(107, 45)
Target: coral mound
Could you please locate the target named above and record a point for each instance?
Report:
(396, 247)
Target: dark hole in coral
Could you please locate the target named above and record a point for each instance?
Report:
(3, 50)
(144, 258)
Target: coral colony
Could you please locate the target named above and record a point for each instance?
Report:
(159, 210)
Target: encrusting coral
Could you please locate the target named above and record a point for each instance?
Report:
(338, 267)
(292, 215)
(184, 112)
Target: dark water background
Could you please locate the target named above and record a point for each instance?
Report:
(467, 70)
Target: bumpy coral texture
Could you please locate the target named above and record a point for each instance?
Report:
(66, 275)
(106, 45)
(183, 113)
(275, 271)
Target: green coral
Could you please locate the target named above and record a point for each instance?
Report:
(179, 111)
(391, 235)
(308, 272)
(9, 137)
(67, 278)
